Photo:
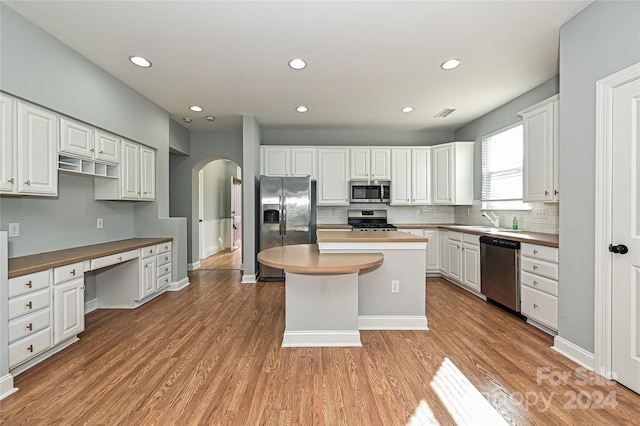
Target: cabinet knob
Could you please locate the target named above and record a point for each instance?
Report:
(28, 183)
(101, 152)
(11, 181)
(535, 282)
(151, 251)
(29, 284)
(92, 150)
(555, 192)
(30, 348)
(535, 267)
(73, 272)
(535, 306)
(30, 327)
(83, 288)
(535, 251)
(30, 305)
(546, 192)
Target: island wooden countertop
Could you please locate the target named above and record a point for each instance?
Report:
(53, 259)
(305, 259)
(369, 237)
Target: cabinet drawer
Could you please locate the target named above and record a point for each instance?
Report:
(29, 324)
(471, 239)
(113, 259)
(147, 251)
(163, 281)
(540, 307)
(29, 347)
(539, 283)
(27, 283)
(453, 235)
(164, 247)
(164, 269)
(67, 272)
(164, 258)
(539, 252)
(29, 303)
(539, 267)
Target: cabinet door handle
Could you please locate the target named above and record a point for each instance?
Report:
(30, 327)
(28, 183)
(92, 150)
(29, 284)
(30, 305)
(120, 259)
(546, 193)
(555, 192)
(535, 267)
(535, 282)
(73, 272)
(535, 306)
(11, 181)
(83, 288)
(535, 251)
(30, 348)
(151, 251)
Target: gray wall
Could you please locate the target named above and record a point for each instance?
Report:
(205, 146)
(601, 40)
(179, 138)
(40, 69)
(354, 137)
(251, 139)
(497, 119)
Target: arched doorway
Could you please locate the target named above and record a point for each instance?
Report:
(219, 215)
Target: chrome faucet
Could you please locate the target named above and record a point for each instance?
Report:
(495, 220)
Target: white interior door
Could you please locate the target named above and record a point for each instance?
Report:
(200, 214)
(236, 213)
(625, 270)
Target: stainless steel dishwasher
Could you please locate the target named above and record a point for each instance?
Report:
(499, 271)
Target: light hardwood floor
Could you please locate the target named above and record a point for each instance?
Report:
(225, 259)
(210, 354)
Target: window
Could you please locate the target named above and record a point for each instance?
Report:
(502, 169)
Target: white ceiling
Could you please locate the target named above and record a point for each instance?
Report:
(366, 59)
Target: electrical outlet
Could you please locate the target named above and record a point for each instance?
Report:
(100, 223)
(395, 286)
(14, 230)
(540, 213)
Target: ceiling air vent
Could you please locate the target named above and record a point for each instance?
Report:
(444, 113)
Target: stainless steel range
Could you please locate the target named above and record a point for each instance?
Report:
(369, 220)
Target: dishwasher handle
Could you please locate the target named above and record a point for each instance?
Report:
(500, 242)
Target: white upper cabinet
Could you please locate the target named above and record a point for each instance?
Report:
(277, 161)
(137, 178)
(370, 163)
(452, 173)
(76, 138)
(304, 162)
(540, 163)
(420, 176)
(7, 145)
(288, 161)
(400, 177)
(37, 149)
(333, 177)
(107, 147)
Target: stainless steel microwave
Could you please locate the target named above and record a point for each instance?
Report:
(370, 191)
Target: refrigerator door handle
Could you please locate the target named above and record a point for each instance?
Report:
(284, 214)
(280, 216)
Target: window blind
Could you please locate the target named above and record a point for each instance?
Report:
(502, 165)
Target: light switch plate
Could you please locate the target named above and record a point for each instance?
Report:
(100, 223)
(14, 230)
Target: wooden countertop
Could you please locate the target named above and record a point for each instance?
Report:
(305, 259)
(53, 259)
(551, 240)
(332, 226)
(369, 237)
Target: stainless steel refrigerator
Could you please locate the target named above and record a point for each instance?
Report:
(287, 216)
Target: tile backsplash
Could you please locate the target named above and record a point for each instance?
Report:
(462, 215)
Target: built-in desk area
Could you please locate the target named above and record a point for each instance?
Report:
(46, 303)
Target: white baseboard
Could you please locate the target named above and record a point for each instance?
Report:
(179, 285)
(193, 266)
(575, 353)
(249, 279)
(392, 322)
(6, 386)
(321, 338)
(90, 305)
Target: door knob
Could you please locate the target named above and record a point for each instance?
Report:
(619, 249)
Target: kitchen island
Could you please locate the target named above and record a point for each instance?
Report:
(392, 296)
(321, 294)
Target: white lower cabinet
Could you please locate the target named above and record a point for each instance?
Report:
(539, 284)
(68, 310)
(433, 251)
(460, 259)
(29, 312)
(163, 262)
(147, 283)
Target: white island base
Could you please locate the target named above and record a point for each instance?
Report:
(321, 310)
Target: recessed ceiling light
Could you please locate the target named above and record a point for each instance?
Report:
(140, 61)
(297, 64)
(210, 118)
(187, 119)
(407, 109)
(450, 64)
(195, 108)
(302, 108)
